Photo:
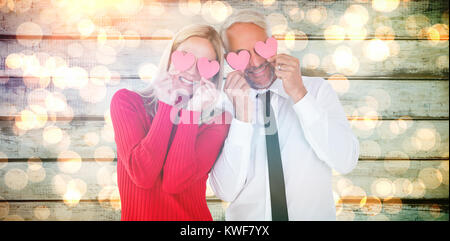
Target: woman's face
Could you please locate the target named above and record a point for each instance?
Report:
(187, 81)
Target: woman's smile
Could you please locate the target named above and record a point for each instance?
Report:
(186, 80)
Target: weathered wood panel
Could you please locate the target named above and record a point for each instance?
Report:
(394, 212)
(406, 58)
(406, 78)
(58, 211)
(310, 17)
(392, 98)
(379, 139)
(83, 211)
(423, 179)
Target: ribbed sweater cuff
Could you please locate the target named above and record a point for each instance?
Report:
(188, 126)
(161, 124)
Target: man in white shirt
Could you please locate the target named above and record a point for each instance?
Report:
(313, 132)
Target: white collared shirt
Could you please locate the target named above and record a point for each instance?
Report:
(315, 137)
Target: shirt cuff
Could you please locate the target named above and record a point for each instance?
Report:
(240, 132)
(307, 109)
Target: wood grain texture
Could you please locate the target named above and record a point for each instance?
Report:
(58, 211)
(84, 211)
(418, 140)
(393, 98)
(166, 15)
(53, 180)
(398, 107)
(409, 58)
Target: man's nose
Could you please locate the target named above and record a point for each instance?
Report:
(255, 59)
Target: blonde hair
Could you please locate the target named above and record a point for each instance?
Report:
(196, 30)
(244, 16)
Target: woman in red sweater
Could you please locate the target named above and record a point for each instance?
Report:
(169, 134)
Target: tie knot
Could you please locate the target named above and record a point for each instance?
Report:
(267, 108)
(264, 96)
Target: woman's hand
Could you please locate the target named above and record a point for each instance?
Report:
(164, 90)
(204, 95)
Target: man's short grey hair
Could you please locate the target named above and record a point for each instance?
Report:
(243, 16)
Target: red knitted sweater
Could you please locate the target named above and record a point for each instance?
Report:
(162, 168)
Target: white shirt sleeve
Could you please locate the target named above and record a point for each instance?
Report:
(327, 129)
(229, 173)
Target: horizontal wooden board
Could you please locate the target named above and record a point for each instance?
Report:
(391, 98)
(406, 158)
(311, 17)
(84, 211)
(393, 212)
(424, 179)
(58, 211)
(367, 58)
(93, 180)
(379, 139)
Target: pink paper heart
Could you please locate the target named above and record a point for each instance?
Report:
(267, 49)
(206, 68)
(182, 61)
(238, 61)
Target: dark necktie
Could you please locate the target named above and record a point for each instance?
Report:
(276, 178)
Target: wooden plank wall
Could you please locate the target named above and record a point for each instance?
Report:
(61, 62)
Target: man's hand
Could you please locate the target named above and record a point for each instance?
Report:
(287, 68)
(238, 90)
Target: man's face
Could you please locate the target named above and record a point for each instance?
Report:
(243, 36)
